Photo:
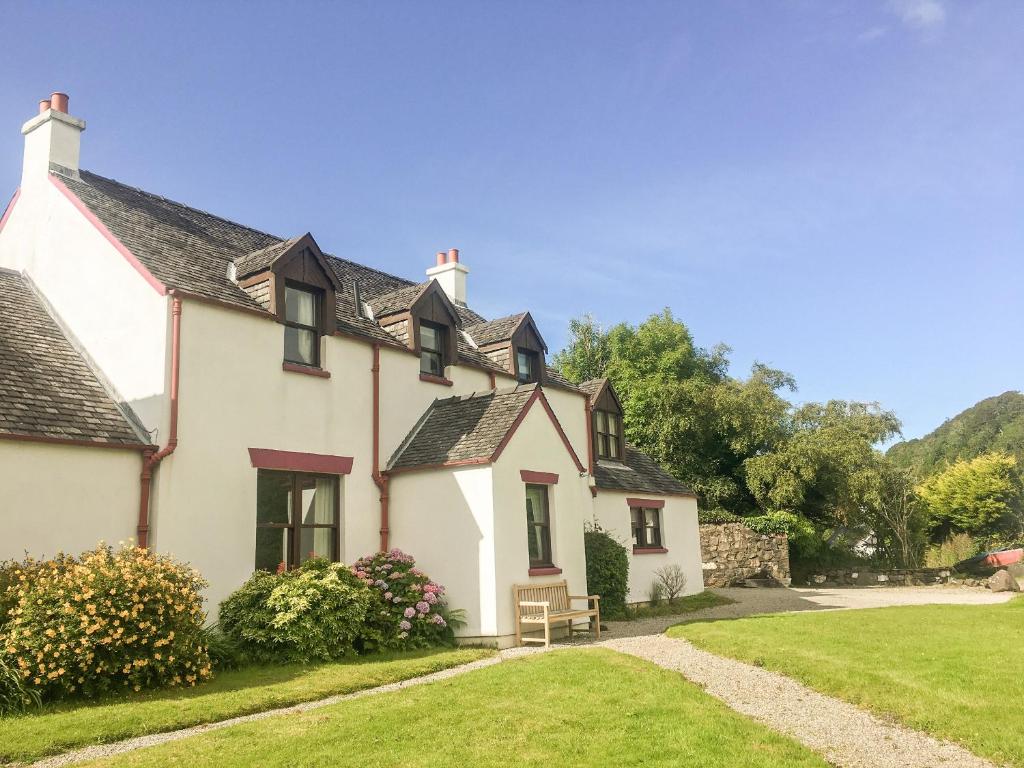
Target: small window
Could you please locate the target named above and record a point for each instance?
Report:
(302, 325)
(608, 427)
(296, 519)
(646, 527)
(527, 366)
(432, 343)
(538, 525)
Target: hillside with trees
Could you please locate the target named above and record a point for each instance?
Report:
(815, 470)
(995, 424)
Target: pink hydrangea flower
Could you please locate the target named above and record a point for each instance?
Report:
(423, 607)
(404, 625)
(410, 612)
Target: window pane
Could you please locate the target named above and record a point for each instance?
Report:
(430, 362)
(300, 345)
(273, 497)
(316, 542)
(525, 365)
(653, 534)
(635, 519)
(272, 547)
(613, 447)
(430, 338)
(317, 500)
(537, 531)
(602, 421)
(613, 424)
(299, 306)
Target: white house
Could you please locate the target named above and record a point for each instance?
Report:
(240, 400)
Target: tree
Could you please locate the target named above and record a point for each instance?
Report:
(827, 469)
(680, 404)
(979, 496)
(898, 518)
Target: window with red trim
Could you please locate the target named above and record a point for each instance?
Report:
(646, 522)
(297, 517)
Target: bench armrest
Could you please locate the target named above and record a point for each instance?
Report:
(584, 597)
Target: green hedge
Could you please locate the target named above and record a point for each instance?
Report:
(607, 571)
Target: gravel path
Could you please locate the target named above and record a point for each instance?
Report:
(749, 602)
(845, 735)
(105, 750)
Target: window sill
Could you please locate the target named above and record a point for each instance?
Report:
(548, 570)
(649, 550)
(306, 369)
(436, 379)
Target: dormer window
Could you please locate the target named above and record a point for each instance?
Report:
(608, 429)
(433, 342)
(302, 313)
(527, 365)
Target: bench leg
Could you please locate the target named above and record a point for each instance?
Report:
(597, 622)
(519, 629)
(547, 634)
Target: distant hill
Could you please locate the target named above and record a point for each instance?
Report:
(994, 424)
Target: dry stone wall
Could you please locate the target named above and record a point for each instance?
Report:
(732, 553)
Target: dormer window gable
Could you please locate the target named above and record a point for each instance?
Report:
(607, 427)
(515, 344)
(425, 320)
(294, 281)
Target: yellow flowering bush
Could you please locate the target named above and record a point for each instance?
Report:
(107, 620)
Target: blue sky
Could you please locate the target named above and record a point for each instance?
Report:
(833, 188)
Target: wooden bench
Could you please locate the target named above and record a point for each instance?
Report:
(549, 603)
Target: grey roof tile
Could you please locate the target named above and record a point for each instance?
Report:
(638, 473)
(494, 331)
(46, 388)
(462, 429)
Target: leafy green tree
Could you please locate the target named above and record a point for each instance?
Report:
(827, 469)
(680, 404)
(979, 496)
(897, 516)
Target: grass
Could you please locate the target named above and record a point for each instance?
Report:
(572, 707)
(680, 605)
(240, 692)
(950, 670)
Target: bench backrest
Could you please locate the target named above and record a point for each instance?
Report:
(555, 593)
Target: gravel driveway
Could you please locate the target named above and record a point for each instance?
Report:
(768, 600)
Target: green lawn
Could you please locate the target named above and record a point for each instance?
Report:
(687, 604)
(584, 707)
(954, 671)
(241, 692)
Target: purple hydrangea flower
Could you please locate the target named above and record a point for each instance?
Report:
(404, 625)
(410, 612)
(423, 607)
(431, 598)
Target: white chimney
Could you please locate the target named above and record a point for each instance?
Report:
(451, 274)
(52, 136)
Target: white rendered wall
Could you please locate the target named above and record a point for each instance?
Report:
(679, 535)
(445, 519)
(65, 497)
(536, 446)
(119, 319)
(570, 408)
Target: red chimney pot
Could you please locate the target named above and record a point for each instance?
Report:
(453, 255)
(44, 105)
(440, 258)
(59, 102)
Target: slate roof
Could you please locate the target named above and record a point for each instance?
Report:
(638, 473)
(493, 331)
(592, 387)
(396, 301)
(261, 260)
(190, 249)
(46, 388)
(462, 428)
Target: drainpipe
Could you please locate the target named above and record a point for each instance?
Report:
(494, 380)
(379, 478)
(588, 409)
(149, 458)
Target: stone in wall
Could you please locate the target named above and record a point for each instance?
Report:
(731, 553)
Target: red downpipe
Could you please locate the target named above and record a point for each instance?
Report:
(378, 477)
(151, 459)
(590, 435)
(494, 380)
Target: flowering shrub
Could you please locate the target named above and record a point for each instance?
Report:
(316, 612)
(106, 620)
(410, 610)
